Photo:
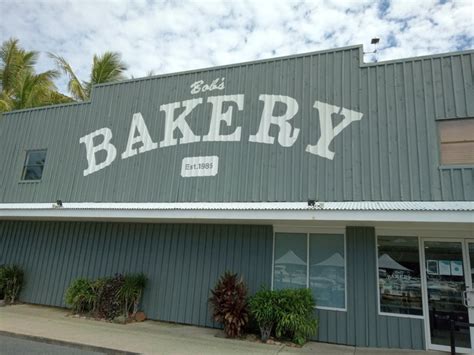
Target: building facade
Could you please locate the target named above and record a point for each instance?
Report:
(316, 170)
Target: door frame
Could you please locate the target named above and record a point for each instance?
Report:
(424, 286)
(470, 285)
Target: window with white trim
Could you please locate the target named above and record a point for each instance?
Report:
(399, 276)
(34, 165)
(315, 261)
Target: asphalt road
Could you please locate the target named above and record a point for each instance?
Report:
(18, 346)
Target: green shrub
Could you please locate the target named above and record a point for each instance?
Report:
(109, 304)
(107, 297)
(295, 314)
(11, 282)
(263, 309)
(131, 292)
(80, 296)
(229, 304)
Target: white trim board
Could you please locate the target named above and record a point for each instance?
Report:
(270, 216)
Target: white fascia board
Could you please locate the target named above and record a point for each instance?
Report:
(241, 215)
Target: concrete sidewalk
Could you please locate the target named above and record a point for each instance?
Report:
(150, 337)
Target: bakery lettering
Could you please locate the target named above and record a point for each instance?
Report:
(140, 140)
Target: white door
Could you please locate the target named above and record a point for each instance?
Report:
(447, 277)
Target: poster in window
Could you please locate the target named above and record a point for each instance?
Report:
(432, 267)
(456, 268)
(445, 267)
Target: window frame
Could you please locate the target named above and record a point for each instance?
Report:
(418, 240)
(308, 231)
(25, 165)
(443, 165)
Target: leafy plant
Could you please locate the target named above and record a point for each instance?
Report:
(229, 304)
(264, 310)
(131, 292)
(109, 305)
(80, 296)
(20, 85)
(11, 282)
(295, 314)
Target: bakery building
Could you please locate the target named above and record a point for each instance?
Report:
(315, 170)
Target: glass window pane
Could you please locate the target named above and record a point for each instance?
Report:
(34, 163)
(33, 173)
(327, 276)
(399, 275)
(290, 261)
(36, 157)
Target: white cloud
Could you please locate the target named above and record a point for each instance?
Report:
(170, 36)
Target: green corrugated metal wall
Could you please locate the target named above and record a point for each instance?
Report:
(184, 261)
(391, 154)
(361, 325)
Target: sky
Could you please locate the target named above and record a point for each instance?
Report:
(173, 36)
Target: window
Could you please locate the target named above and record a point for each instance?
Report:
(457, 141)
(34, 164)
(327, 274)
(399, 275)
(290, 261)
(315, 261)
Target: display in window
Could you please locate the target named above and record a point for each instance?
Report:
(290, 261)
(399, 275)
(327, 270)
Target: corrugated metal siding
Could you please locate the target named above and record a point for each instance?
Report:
(391, 154)
(182, 262)
(361, 325)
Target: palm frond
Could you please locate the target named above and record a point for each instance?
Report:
(75, 87)
(14, 60)
(107, 67)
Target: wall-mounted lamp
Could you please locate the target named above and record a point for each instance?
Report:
(58, 204)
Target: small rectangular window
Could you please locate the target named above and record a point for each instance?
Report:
(399, 275)
(34, 165)
(457, 141)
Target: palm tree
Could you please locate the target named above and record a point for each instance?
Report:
(105, 68)
(21, 86)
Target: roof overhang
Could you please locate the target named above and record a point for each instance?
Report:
(424, 212)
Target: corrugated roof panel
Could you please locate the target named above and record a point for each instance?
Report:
(229, 206)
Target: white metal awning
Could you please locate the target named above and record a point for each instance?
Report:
(397, 211)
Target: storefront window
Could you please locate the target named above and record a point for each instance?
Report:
(290, 261)
(326, 265)
(399, 275)
(327, 269)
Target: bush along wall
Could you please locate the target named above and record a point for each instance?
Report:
(287, 312)
(11, 283)
(229, 304)
(114, 298)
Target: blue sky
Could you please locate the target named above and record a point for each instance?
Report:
(170, 36)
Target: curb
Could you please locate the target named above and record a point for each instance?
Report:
(67, 343)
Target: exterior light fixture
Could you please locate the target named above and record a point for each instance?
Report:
(58, 204)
